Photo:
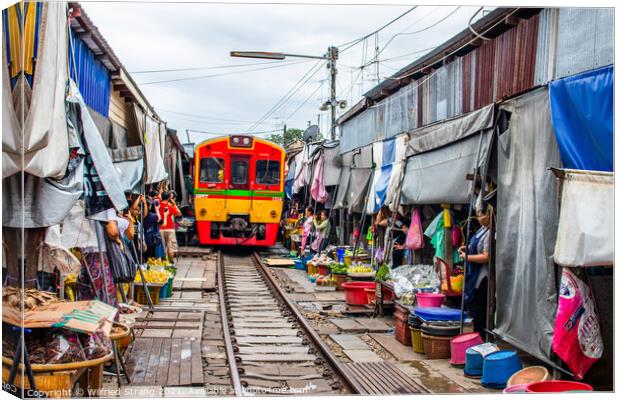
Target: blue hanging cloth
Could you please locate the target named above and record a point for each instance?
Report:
(582, 111)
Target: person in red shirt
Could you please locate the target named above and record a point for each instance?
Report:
(167, 211)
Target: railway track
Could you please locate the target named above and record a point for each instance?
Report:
(270, 347)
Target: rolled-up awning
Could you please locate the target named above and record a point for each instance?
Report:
(333, 163)
(586, 227)
(358, 188)
(439, 176)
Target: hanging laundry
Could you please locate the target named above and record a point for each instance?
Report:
(317, 191)
(437, 233)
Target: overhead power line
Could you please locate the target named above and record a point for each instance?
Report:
(234, 133)
(155, 71)
(223, 74)
(302, 82)
(434, 24)
(358, 40)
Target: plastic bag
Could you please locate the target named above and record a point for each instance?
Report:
(415, 234)
(96, 345)
(576, 338)
(64, 347)
(413, 278)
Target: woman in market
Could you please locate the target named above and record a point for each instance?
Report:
(307, 228)
(152, 236)
(95, 280)
(477, 259)
(399, 233)
(321, 227)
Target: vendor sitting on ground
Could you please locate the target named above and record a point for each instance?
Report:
(476, 272)
(321, 226)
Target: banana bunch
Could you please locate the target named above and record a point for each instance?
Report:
(157, 262)
(360, 269)
(152, 276)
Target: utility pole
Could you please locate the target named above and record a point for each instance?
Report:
(333, 56)
(284, 134)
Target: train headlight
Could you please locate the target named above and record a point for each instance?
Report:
(203, 211)
(273, 214)
(246, 141)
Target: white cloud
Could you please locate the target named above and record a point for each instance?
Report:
(160, 36)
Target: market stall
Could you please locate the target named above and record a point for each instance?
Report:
(65, 343)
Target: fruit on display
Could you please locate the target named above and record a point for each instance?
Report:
(339, 268)
(153, 276)
(382, 273)
(361, 269)
(321, 260)
(158, 262)
(33, 298)
(325, 280)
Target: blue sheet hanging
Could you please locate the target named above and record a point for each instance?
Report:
(582, 112)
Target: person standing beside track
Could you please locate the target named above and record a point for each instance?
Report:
(167, 211)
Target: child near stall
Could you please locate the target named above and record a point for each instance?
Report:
(307, 229)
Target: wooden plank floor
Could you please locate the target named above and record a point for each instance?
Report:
(195, 273)
(170, 324)
(165, 362)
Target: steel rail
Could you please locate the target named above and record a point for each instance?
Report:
(349, 381)
(230, 352)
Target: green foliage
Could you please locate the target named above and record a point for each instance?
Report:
(291, 135)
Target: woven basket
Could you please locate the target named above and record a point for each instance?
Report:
(436, 347)
(416, 340)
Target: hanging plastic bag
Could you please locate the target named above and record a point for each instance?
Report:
(576, 337)
(415, 234)
(456, 237)
(96, 345)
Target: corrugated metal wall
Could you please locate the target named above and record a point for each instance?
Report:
(585, 40)
(513, 62)
(515, 52)
(93, 78)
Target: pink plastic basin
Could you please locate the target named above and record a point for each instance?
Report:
(430, 299)
(521, 388)
(355, 294)
(557, 386)
(460, 344)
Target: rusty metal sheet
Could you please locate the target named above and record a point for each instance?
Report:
(515, 58)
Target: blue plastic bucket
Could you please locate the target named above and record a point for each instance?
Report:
(340, 254)
(473, 363)
(498, 367)
(300, 264)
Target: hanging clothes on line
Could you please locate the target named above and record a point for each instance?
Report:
(317, 191)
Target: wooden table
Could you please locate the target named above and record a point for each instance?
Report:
(82, 378)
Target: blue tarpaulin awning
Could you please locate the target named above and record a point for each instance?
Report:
(582, 112)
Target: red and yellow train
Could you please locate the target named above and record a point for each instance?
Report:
(238, 191)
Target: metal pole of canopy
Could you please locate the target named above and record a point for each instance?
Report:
(472, 196)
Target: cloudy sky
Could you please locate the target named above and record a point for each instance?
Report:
(195, 38)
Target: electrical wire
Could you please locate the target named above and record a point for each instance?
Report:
(304, 79)
(233, 133)
(155, 71)
(472, 29)
(455, 51)
(205, 117)
(356, 41)
(416, 32)
(304, 102)
(223, 74)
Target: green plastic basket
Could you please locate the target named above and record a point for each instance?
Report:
(169, 287)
